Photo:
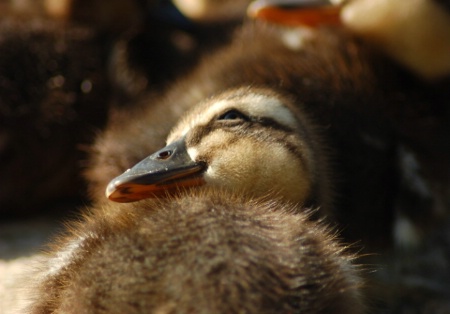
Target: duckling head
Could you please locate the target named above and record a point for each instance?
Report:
(248, 140)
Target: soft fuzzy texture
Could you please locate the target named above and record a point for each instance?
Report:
(205, 252)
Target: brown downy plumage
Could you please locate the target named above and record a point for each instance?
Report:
(206, 252)
(54, 94)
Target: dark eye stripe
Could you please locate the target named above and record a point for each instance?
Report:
(235, 114)
(267, 122)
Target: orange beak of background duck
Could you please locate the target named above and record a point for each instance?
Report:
(312, 13)
(163, 172)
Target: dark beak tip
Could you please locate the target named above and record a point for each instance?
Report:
(111, 189)
(114, 187)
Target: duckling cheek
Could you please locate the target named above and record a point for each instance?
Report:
(236, 166)
(287, 175)
(259, 169)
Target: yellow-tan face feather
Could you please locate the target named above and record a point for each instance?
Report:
(259, 155)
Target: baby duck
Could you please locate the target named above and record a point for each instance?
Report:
(250, 140)
(206, 251)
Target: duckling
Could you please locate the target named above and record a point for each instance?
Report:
(207, 251)
(330, 78)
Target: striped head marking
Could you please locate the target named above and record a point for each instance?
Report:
(250, 141)
(245, 140)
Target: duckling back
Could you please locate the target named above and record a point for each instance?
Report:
(206, 252)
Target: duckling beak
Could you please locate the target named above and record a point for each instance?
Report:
(310, 13)
(168, 169)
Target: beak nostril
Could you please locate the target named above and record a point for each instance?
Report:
(164, 154)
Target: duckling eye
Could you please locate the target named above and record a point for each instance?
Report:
(164, 154)
(233, 115)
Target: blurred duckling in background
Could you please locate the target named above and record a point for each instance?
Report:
(111, 16)
(54, 94)
(203, 252)
(400, 28)
(60, 76)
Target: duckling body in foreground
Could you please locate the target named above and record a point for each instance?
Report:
(201, 252)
